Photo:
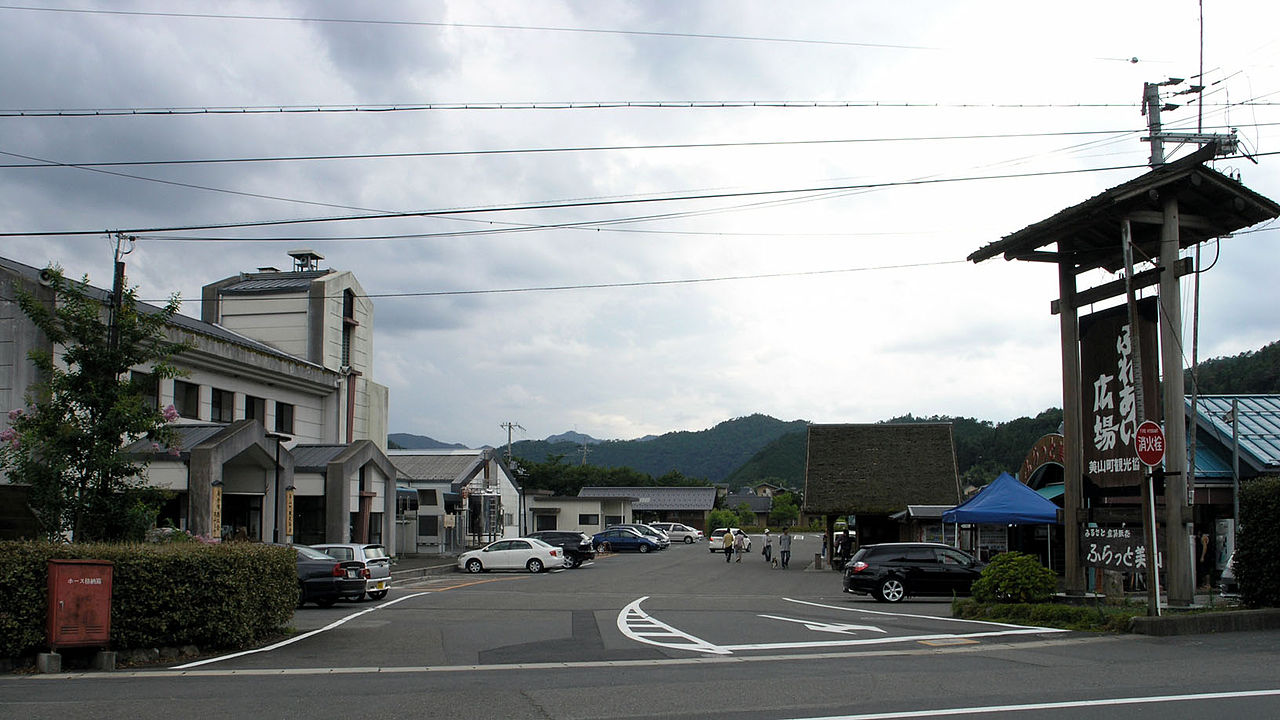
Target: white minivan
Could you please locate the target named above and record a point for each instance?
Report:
(678, 532)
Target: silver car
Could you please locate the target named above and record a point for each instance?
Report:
(679, 532)
(373, 556)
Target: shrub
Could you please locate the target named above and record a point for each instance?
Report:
(183, 593)
(1015, 577)
(1257, 554)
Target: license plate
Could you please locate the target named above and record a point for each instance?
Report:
(352, 574)
(380, 586)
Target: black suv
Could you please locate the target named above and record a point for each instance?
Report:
(577, 546)
(892, 571)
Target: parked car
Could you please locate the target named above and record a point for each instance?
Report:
(716, 542)
(892, 571)
(324, 579)
(648, 531)
(1227, 585)
(514, 554)
(678, 532)
(374, 557)
(576, 545)
(623, 538)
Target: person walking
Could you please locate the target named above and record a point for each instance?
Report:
(768, 546)
(739, 544)
(784, 548)
(727, 544)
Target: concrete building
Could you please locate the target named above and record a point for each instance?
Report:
(282, 433)
(457, 499)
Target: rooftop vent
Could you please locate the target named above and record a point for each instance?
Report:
(304, 260)
(268, 269)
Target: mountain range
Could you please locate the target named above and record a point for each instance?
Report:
(757, 448)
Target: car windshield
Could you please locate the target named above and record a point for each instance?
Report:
(538, 542)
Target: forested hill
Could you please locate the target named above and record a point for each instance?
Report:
(711, 454)
(983, 449)
(1249, 372)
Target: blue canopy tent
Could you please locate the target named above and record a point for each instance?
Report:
(1006, 501)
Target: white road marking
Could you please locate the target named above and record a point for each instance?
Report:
(1150, 699)
(639, 626)
(841, 628)
(296, 638)
(848, 608)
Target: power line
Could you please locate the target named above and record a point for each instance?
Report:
(569, 149)
(475, 26)
(574, 204)
(565, 105)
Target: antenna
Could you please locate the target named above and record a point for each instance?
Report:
(1152, 106)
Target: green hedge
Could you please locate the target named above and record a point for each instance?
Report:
(212, 596)
(1257, 555)
(1099, 618)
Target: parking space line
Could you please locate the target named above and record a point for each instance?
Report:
(918, 617)
(336, 623)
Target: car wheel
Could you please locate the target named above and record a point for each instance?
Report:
(377, 595)
(571, 562)
(604, 547)
(327, 602)
(474, 566)
(688, 539)
(534, 565)
(644, 548)
(355, 598)
(891, 590)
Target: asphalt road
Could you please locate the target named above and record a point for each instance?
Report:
(676, 634)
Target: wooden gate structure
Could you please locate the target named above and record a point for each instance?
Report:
(1151, 218)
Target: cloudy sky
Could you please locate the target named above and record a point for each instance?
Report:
(635, 217)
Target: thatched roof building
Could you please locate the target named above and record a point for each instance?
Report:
(879, 469)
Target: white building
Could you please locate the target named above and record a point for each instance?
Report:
(283, 430)
(463, 498)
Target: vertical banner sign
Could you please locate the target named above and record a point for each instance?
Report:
(1107, 349)
(215, 512)
(288, 512)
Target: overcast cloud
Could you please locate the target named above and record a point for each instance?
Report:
(850, 306)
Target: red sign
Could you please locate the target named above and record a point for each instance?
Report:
(1150, 443)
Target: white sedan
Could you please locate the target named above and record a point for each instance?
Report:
(514, 554)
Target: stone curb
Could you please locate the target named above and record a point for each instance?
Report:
(1207, 623)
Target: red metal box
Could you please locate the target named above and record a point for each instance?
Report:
(79, 603)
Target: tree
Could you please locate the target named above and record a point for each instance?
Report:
(69, 443)
(784, 511)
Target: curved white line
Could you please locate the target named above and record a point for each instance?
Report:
(296, 638)
(632, 616)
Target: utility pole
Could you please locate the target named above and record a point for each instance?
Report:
(509, 426)
(1152, 105)
(117, 291)
(585, 451)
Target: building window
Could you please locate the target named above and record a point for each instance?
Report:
(255, 408)
(428, 525)
(284, 418)
(593, 520)
(148, 386)
(544, 522)
(612, 519)
(348, 325)
(223, 407)
(428, 497)
(186, 399)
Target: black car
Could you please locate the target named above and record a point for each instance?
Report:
(323, 579)
(892, 571)
(577, 546)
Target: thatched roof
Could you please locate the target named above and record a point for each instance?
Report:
(879, 469)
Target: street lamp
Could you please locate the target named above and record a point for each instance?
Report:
(275, 519)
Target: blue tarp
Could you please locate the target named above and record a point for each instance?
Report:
(1006, 502)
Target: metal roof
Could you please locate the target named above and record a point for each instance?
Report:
(1259, 427)
(1088, 235)
(293, 282)
(315, 458)
(658, 498)
(189, 435)
(426, 466)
